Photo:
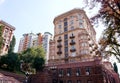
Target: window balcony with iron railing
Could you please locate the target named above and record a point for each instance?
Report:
(72, 43)
(59, 40)
(72, 36)
(59, 46)
(59, 52)
(72, 50)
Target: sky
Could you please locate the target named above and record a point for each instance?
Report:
(37, 15)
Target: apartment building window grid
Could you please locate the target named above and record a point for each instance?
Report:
(66, 45)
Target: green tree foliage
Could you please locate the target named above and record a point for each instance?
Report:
(10, 62)
(1, 38)
(33, 57)
(115, 68)
(38, 63)
(12, 45)
(109, 13)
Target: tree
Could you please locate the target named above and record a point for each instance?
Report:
(33, 57)
(10, 62)
(38, 63)
(115, 68)
(1, 38)
(109, 13)
(12, 45)
(39, 60)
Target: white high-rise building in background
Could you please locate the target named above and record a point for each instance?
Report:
(46, 38)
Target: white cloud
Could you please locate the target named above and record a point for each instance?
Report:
(1, 1)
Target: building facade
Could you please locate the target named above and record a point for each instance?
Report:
(7, 34)
(30, 40)
(75, 38)
(74, 56)
(46, 39)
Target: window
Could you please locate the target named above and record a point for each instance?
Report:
(81, 25)
(88, 70)
(78, 81)
(72, 40)
(59, 37)
(84, 44)
(65, 23)
(66, 49)
(73, 54)
(84, 51)
(72, 47)
(71, 22)
(61, 81)
(79, 16)
(66, 43)
(66, 54)
(61, 72)
(81, 21)
(77, 71)
(69, 72)
(65, 29)
(69, 81)
(59, 26)
(72, 27)
(65, 36)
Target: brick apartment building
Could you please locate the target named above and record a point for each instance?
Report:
(7, 34)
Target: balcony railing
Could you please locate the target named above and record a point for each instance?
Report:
(59, 46)
(72, 50)
(59, 52)
(59, 40)
(72, 36)
(72, 43)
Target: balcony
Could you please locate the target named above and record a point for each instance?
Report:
(59, 46)
(72, 36)
(72, 50)
(72, 43)
(59, 52)
(59, 40)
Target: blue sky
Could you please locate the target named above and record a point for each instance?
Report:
(34, 15)
(37, 15)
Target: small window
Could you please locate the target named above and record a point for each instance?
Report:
(71, 22)
(66, 43)
(73, 54)
(65, 36)
(81, 25)
(69, 81)
(69, 72)
(61, 72)
(78, 72)
(72, 27)
(59, 26)
(72, 47)
(65, 29)
(88, 70)
(78, 81)
(65, 23)
(66, 49)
